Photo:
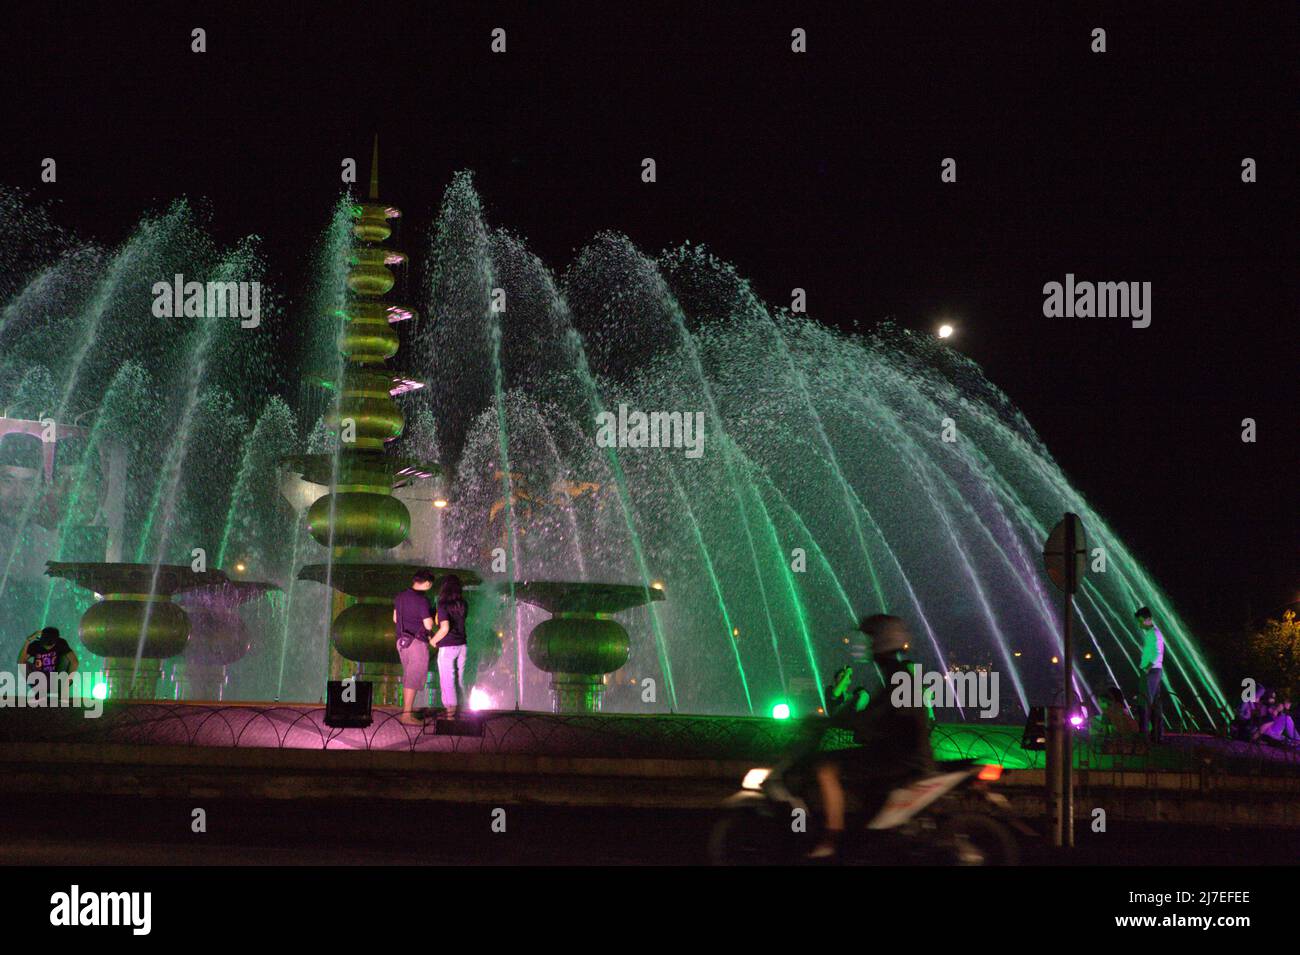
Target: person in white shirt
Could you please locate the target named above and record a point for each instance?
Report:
(1152, 667)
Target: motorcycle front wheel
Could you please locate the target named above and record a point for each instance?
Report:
(745, 838)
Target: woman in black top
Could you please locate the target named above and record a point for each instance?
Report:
(450, 642)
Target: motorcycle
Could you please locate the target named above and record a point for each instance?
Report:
(924, 822)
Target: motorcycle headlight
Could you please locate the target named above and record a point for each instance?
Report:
(755, 778)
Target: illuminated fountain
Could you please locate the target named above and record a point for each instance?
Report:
(822, 487)
(141, 489)
(360, 519)
(581, 642)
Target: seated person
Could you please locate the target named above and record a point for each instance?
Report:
(1276, 726)
(1253, 714)
(1114, 718)
(1243, 726)
(1114, 727)
(47, 652)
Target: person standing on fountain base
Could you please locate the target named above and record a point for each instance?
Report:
(414, 623)
(450, 643)
(1152, 667)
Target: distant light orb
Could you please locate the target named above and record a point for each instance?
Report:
(440, 502)
(100, 691)
(781, 711)
(240, 568)
(658, 585)
(945, 331)
(479, 699)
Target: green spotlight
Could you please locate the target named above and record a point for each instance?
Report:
(781, 711)
(100, 691)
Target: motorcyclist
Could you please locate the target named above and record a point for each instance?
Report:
(893, 740)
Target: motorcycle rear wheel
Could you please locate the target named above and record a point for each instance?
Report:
(994, 842)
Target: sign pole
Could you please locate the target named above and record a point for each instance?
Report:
(1055, 796)
(1064, 555)
(1067, 756)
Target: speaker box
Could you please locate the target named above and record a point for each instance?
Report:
(341, 712)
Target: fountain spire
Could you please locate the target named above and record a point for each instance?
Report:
(374, 170)
(359, 519)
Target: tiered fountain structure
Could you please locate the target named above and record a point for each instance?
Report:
(359, 520)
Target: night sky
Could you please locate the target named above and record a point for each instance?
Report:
(818, 171)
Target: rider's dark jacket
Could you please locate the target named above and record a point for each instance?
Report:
(893, 740)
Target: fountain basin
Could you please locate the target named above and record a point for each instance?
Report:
(581, 642)
(121, 625)
(368, 336)
(366, 278)
(367, 402)
(379, 580)
(136, 625)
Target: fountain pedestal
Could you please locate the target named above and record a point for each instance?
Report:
(123, 680)
(122, 624)
(365, 634)
(200, 681)
(218, 637)
(581, 642)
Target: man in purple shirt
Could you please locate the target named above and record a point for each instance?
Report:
(414, 624)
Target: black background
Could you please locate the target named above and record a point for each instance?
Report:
(317, 905)
(819, 171)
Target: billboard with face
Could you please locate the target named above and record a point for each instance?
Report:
(51, 499)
